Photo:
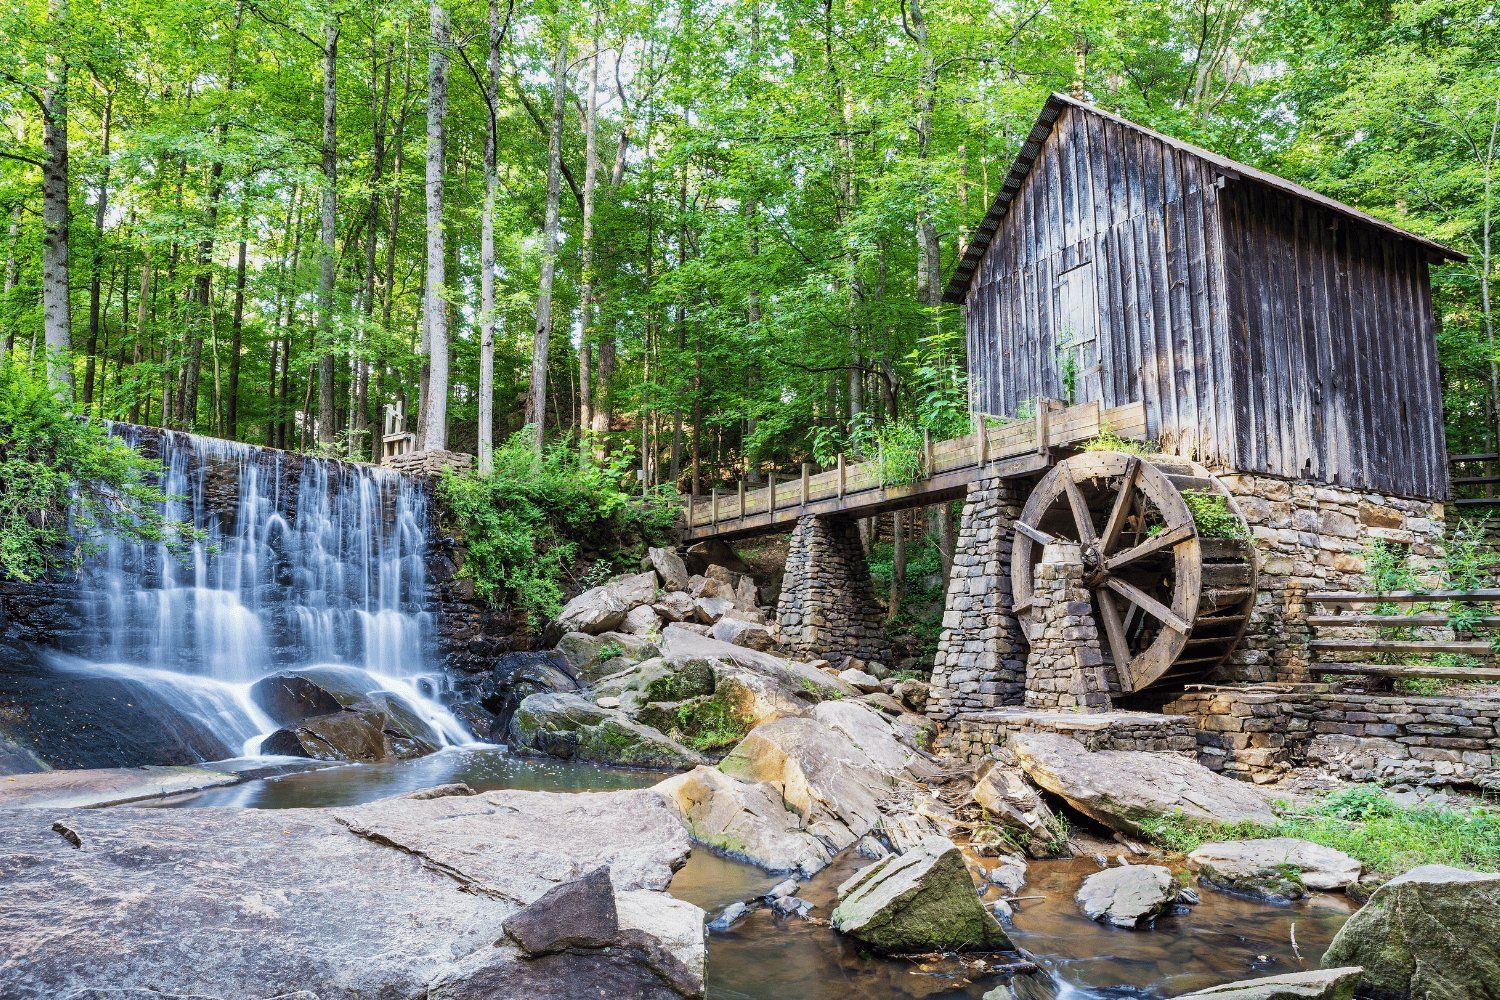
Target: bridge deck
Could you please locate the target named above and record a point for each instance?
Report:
(1020, 448)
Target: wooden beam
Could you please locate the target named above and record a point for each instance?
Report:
(1481, 596)
(1408, 670)
(1400, 646)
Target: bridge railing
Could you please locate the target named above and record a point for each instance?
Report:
(1475, 479)
(945, 463)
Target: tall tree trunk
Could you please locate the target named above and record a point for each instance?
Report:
(486, 429)
(536, 402)
(237, 326)
(328, 235)
(380, 107)
(435, 312)
(57, 309)
(101, 208)
(586, 387)
(898, 563)
(12, 273)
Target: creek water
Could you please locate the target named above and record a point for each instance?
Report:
(765, 957)
(298, 562)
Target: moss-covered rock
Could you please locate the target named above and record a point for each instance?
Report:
(572, 728)
(918, 901)
(1428, 933)
(706, 723)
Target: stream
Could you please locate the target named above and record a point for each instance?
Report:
(764, 957)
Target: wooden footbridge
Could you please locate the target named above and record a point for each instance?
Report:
(1014, 449)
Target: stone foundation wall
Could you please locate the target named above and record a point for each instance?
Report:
(827, 607)
(977, 736)
(981, 657)
(1312, 537)
(1259, 734)
(429, 463)
(1065, 668)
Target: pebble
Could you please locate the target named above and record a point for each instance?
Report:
(728, 917)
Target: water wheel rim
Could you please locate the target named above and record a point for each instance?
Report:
(1126, 475)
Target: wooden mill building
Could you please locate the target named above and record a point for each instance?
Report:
(1266, 328)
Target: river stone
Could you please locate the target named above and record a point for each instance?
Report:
(739, 632)
(642, 621)
(918, 901)
(745, 820)
(680, 644)
(1317, 984)
(867, 730)
(678, 606)
(669, 566)
(1129, 896)
(290, 696)
(594, 657)
(1123, 788)
(576, 914)
(601, 609)
(1275, 868)
(380, 900)
(1010, 802)
(1426, 934)
(570, 727)
(342, 736)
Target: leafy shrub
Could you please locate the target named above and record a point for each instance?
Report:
(1212, 515)
(919, 619)
(895, 448)
(523, 524)
(1109, 440)
(66, 484)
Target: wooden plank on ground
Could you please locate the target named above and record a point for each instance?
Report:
(1408, 670)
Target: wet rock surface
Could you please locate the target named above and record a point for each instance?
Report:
(571, 727)
(258, 903)
(1427, 933)
(919, 901)
(1275, 868)
(1129, 896)
(1318, 984)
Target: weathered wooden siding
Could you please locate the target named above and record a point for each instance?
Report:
(1145, 216)
(1334, 347)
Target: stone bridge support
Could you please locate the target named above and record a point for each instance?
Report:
(981, 658)
(827, 607)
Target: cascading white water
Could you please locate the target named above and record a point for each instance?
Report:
(321, 563)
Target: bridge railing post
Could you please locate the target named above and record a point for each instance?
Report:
(806, 480)
(713, 498)
(740, 488)
(843, 476)
(771, 495)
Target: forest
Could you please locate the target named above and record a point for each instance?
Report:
(707, 236)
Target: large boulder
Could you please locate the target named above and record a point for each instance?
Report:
(679, 645)
(570, 727)
(642, 621)
(1128, 896)
(866, 730)
(603, 608)
(1011, 803)
(742, 632)
(921, 900)
(1317, 984)
(592, 657)
(486, 701)
(342, 736)
(746, 820)
(713, 552)
(1426, 934)
(1275, 868)
(576, 914)
(290, 696)
(669, 567)
(1124, 788)
(404, 899)
(677, 606)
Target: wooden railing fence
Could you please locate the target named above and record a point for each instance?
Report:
(1440, 658)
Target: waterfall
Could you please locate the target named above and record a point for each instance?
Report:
(299, 562)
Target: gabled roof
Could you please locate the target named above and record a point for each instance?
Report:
(968, 265)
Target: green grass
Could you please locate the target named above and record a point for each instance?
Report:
(1366, 824)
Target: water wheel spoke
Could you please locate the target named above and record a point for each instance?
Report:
(1081, 515)
(1156, 543)
(1123, 502)
(1114, 631)
(1035, 534)
(1150, 605)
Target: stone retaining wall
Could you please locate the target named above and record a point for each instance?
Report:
(977, 736)
(1065, 668)
(1311, 537)
(1258, 734)
(827, 606)
(981, 657)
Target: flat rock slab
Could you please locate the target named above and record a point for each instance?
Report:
(379, 901)
(105, 786)
(1319, 984)
(1123, 788)
(1129, 896)
(1274, 867)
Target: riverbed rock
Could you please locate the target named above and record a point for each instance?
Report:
(1129, 896)
(16, 759)
(576, 914)
(861, 681)
(570, 727)
(601, 609)
(342, 736)
(746, 820)
(96, 787)
(1275, 868)
(869, 732)
(708, 610)
(680, 644)
(1426, 934)
(486, 701)
(918, 901)
(740, 632)
(1011, 803)
(290, 696)
(593, 657)
(400, 899)
(713, 552)
(676, 606)
(1122, 788)
(669, 567)
(1316, 984)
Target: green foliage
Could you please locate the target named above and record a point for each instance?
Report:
(1213, 516)
(1363, 822)
(1110, 440)
(895, 448)
(522, 526)
(918, 622)
(66, 484)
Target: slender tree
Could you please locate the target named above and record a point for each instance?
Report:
(536, 403)
(435, 310)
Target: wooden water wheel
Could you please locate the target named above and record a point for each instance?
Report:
(1169, 603)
